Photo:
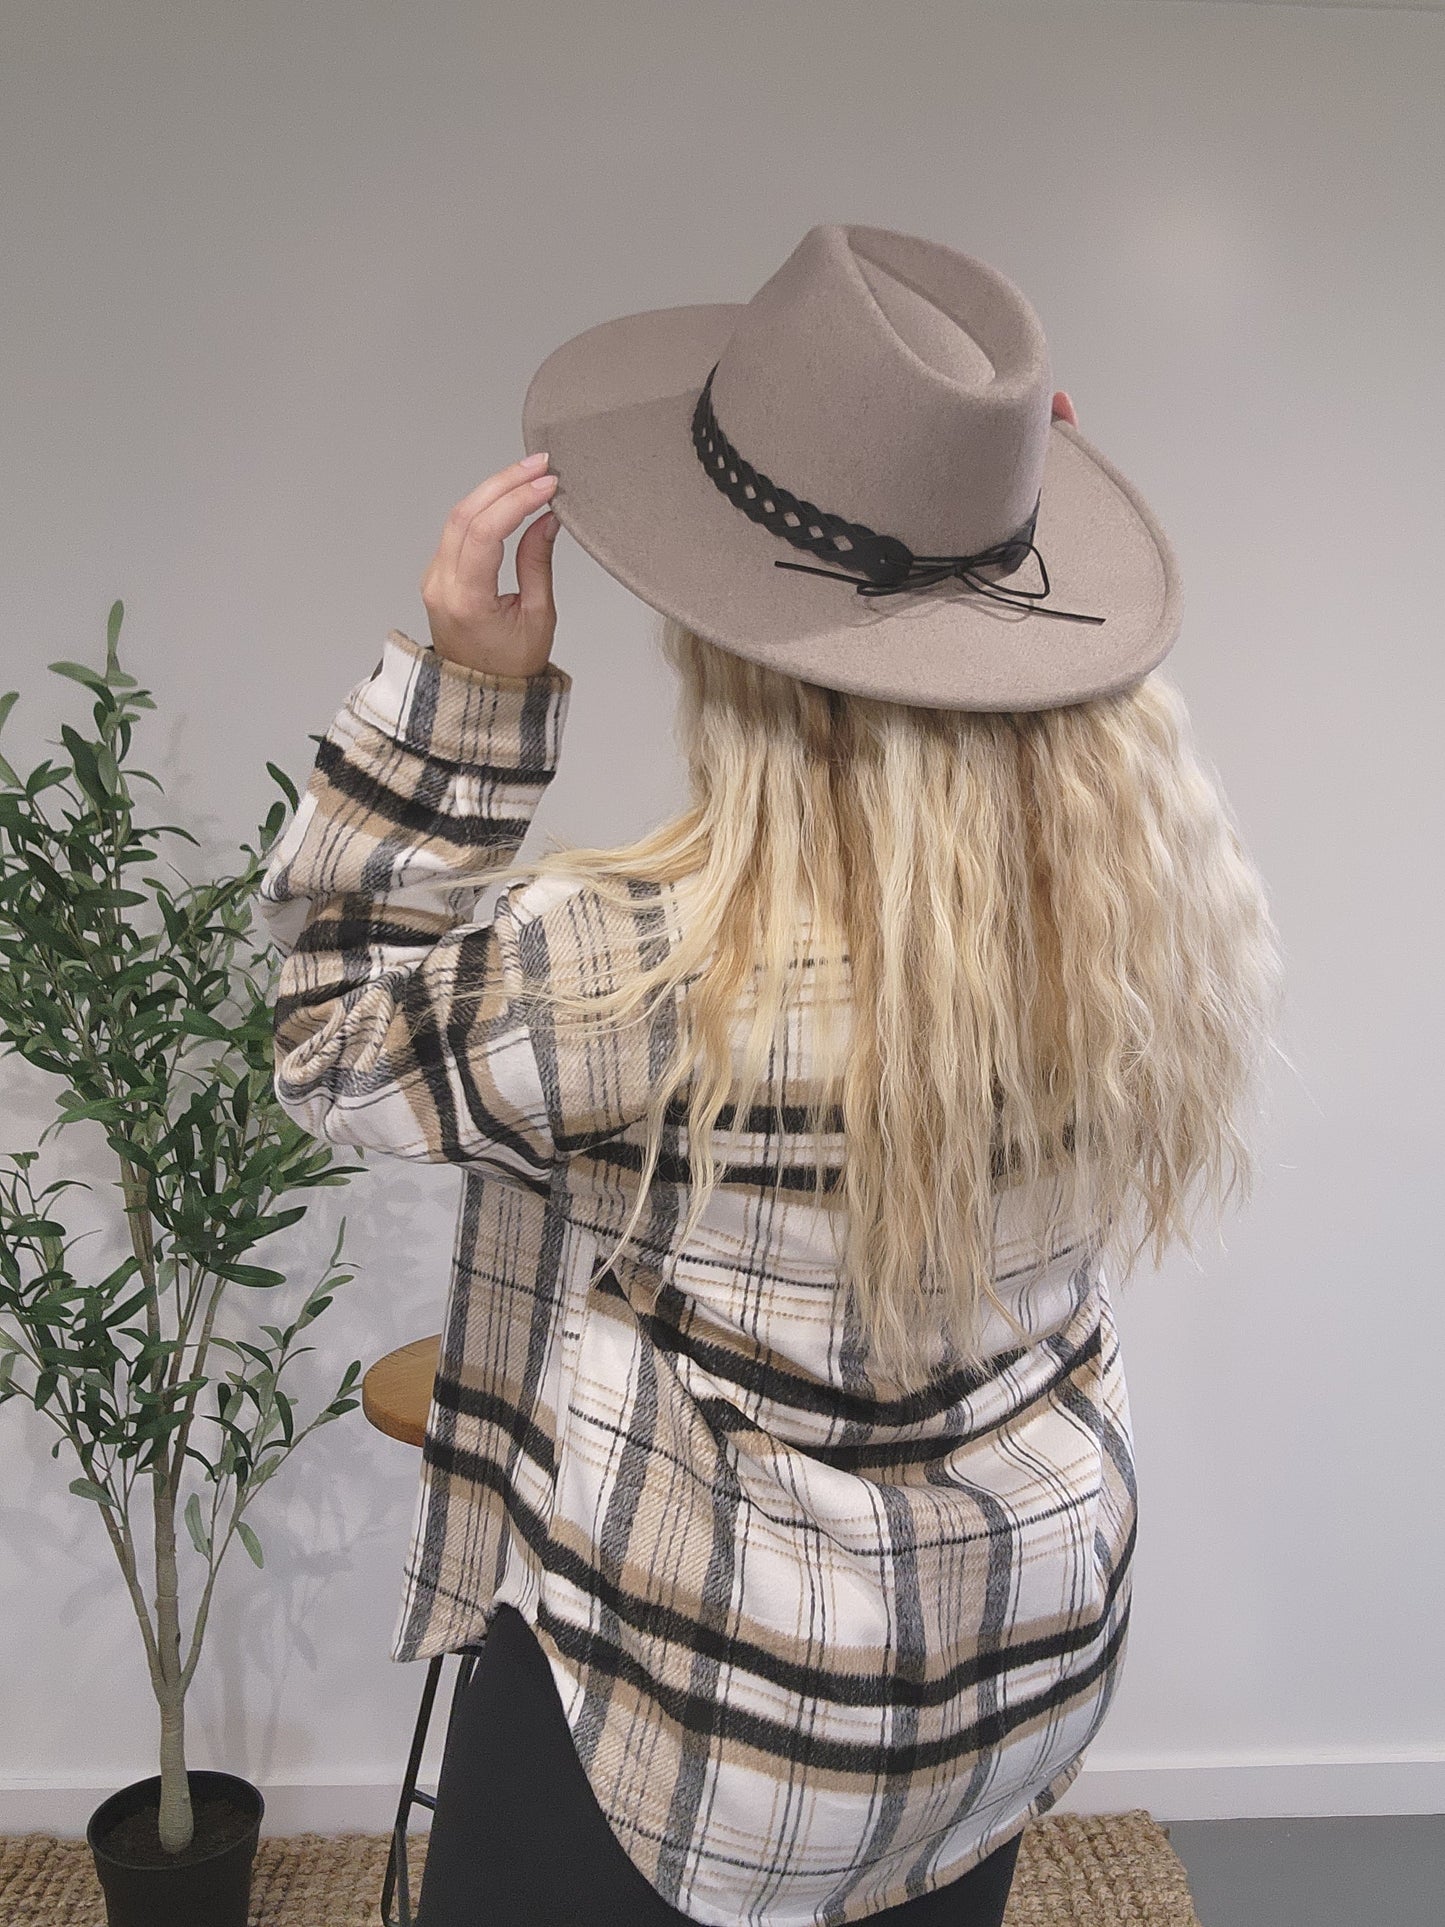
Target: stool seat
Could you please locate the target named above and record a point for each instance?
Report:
(396, 1392)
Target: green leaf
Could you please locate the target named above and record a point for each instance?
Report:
(125, 1270)
(48, 934)
(88, 1489)
(174, 917)
(28, 1227)
(110, 776)
(78, 672)
(196, 1526)
(58, 1184)
(137, 1153)
(242, 1348)
(273, 1221)
(8, 702)
(198, 1023)
(261, 1275)
(250, 1542)
(99, 1107)
(279, 775)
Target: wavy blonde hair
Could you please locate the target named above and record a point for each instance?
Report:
(1057, 959)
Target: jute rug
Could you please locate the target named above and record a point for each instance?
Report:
(1074, 1870)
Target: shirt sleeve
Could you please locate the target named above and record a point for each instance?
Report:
(399, 1022)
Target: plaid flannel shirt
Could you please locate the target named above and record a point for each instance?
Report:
(823, 1641)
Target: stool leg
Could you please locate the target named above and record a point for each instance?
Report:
(397, 1884)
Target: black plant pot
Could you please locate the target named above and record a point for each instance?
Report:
(208, 1885)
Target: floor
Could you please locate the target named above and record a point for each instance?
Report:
(1315, 1873)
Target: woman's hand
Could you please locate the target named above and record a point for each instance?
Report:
(471, 624)
(511, 635)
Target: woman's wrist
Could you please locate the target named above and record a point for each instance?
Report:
(492, 662)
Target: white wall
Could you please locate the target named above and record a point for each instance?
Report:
(275, 280)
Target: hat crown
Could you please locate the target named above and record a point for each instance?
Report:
(913, 399)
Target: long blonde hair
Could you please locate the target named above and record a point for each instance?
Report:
(1057, 958)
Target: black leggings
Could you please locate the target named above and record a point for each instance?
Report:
(519, 1840)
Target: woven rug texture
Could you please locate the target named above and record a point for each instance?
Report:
(1074, 1870)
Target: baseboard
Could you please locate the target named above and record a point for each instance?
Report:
(64, 1808)
(1182, 1789)
(1411, 1781)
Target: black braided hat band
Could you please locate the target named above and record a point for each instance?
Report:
(888, 565)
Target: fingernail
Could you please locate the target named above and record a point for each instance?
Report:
(543, 481)
(550, 527)
(535, 461)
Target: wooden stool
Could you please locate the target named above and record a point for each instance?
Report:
(395, 1397)
(396, 1392)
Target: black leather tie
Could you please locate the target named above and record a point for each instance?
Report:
(887, 564)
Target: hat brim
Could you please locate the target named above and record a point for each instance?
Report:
(613, 406)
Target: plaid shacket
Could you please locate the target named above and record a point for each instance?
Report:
(823, 1642)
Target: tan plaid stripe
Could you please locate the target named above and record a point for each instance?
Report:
(823, 1642)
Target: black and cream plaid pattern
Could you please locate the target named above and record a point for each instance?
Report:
(823, 1641)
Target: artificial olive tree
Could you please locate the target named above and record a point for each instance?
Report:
(147, 1000)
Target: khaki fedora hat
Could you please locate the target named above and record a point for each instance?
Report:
(854, 478)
